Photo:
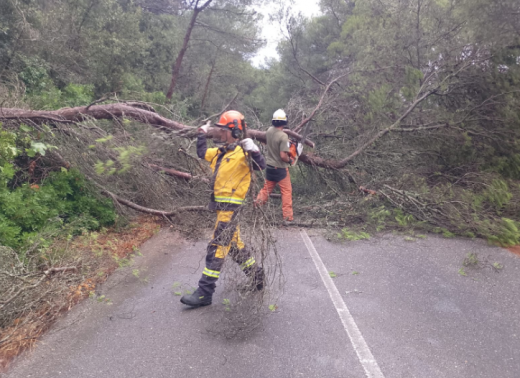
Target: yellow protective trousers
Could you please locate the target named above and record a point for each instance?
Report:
(226, 240)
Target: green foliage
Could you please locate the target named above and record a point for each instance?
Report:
(445, 232)
(498, 194)
(506, 233)
(77, 95)
(351, 235)
(413, 79)
(507, 166)
(38, 148)
(377, 101)
(379, 216)
(123, 262)
(51, 98)
(404, 220)
(448, 234)
(471, 259)
(8, 151)
(61, 198)
(100, 298)
(26, 210)
(34, 75)
(124, 160)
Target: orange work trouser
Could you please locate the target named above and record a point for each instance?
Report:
(285, 188)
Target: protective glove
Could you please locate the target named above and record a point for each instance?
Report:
(249, 146)
(204, 129)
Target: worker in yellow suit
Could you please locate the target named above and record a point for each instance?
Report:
(231, 180)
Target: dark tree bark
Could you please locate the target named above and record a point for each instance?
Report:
(178, 62)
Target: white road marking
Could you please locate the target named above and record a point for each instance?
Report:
(366, 358)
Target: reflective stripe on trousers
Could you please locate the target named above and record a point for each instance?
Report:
(226, 240)
(237, 201)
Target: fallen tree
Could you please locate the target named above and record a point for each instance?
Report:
(118, 110)
(146, 115)
(134, 110)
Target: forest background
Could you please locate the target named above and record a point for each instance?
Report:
(412, 107)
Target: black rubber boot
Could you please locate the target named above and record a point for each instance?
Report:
(197, 299)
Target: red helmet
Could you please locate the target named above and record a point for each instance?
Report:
(230, 119)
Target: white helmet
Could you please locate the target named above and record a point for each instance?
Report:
(279, 118)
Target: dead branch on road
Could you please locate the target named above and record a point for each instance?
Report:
(32, 285)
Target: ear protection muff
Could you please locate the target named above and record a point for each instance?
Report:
(235, 131)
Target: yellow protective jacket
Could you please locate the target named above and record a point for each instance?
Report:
(231, 173)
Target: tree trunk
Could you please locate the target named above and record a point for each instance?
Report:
(83, 113)
(177, 66)
(207, 83)
(119, 110)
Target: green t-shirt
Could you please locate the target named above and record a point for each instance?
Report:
(277, 141)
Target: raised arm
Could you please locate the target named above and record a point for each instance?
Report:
(258, 161)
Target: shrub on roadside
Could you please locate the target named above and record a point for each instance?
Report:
(29, 204)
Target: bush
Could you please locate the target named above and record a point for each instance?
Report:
(506, 233)
(42, 93)
(64, 195)
(34, 75)
(60, 198)
(52, 98)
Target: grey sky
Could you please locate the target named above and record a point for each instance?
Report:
(272, 32)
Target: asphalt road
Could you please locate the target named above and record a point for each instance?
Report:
(395, 308)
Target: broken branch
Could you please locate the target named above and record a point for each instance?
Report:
(298, 128)
(175, 173)
(143, 209)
